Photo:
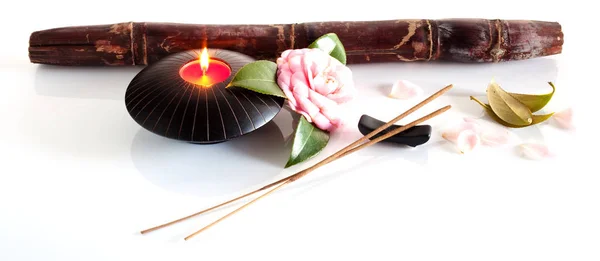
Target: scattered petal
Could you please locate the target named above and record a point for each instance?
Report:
(471, 120)
(475, 133)
(467, 141)
(490, 135)
(565, 118)
(404, 89)
(495, 137)
(535, 151)
(453, 133)
(451, 136)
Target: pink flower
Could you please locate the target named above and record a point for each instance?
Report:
(315, 84)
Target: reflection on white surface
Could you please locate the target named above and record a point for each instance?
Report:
(84, 82)
(469, 78)
(213, 169)
(78, 176)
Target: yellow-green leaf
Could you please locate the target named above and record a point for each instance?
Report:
(534, 102)
(541, 118)
(535, 118)
(506, 107)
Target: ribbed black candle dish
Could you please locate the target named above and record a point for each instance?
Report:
(162, 102)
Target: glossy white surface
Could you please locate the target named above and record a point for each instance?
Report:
(79, 178)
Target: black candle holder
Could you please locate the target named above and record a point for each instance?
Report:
(161, 101)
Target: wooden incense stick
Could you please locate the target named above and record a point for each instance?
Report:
(339, 154)
(309, 170)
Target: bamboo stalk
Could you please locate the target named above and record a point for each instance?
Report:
(460, 40)
(343, 152)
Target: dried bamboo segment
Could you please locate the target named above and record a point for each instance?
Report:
(458, 40)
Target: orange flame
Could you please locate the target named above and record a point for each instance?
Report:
(204, 61)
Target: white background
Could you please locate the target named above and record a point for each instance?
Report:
(79, 178)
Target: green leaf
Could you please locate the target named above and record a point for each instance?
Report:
(308, 142)
(331, 44)
(506, 107)
(535, 118)
(535, 102)
(259, 76)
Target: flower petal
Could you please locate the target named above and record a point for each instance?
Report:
(490, 135)
(495, 137)
(451, 134)
(467, 141)
(322, 122)
(565, 118)
(403, 89)
(534, 151)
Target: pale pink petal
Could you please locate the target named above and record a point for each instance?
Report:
(320, 84)
(332, 113)
(295, 63)
(565, 118)
(535, 151)
(298, 81)
(300, 90)
(280, 61)
(495, 137)
(320, 101)
(403, 89)
(489, 135)
(307, 63)
(470, 120)
(293, 105)
(467, 141)
(304, 104)
(288, 94)
(345, 90)
(284, 81)
(308, 118)
(322, 122)
(285, 54)
(345, 93)
(451, 134)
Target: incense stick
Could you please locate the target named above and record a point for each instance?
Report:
(309, 170)
(346, 150)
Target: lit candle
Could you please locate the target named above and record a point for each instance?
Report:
(185, 97)
(205, 71)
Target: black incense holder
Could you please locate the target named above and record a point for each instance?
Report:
(413, 137)
(161, 101)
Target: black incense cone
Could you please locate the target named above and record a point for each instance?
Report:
(413, 137)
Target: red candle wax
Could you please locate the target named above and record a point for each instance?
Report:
(216, 72)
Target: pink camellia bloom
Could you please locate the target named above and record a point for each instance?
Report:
(315, 84)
